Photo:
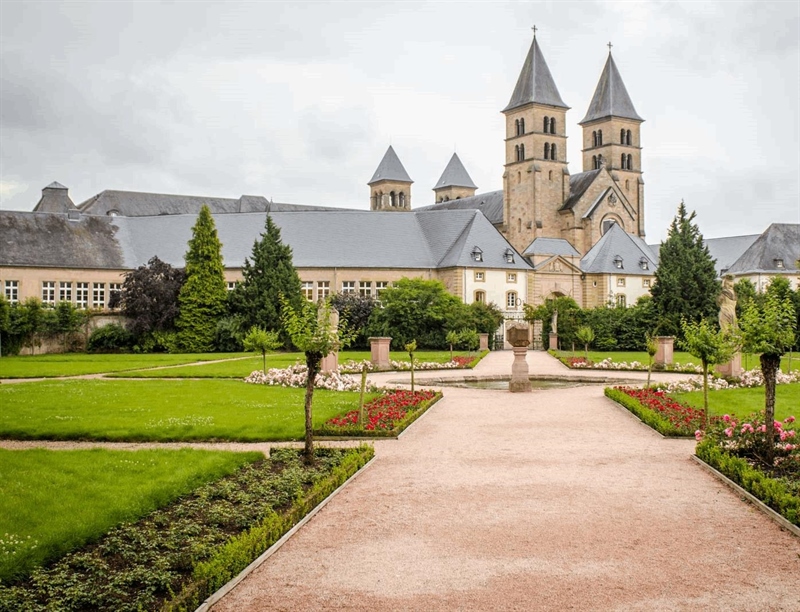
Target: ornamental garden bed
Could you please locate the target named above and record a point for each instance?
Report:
(177, 556)
(386, 416)
(658, 410)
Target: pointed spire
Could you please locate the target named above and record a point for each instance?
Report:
(610, 99)
(535, 83)
(455, 175)
(390, 169)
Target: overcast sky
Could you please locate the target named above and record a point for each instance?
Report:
(298, 101)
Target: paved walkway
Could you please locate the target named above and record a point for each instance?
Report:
(552, 500)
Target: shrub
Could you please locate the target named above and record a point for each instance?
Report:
(112, 338)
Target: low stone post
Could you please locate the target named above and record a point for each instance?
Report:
(664, 347)
(379, 352)
(732, 369)
(518, 336)
(484, 342)
(553, 346)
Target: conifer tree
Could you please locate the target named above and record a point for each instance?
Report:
(268, 274)
(202, 297)
(686, 285)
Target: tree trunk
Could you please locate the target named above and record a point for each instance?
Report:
(769, 368)
(312, 363)
(264, 361)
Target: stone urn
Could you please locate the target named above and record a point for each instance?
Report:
(518, 336)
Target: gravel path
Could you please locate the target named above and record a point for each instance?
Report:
(553, 500)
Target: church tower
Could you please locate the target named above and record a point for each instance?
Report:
(455, 182)
(390, 186)
(612, 138)
(536, 179)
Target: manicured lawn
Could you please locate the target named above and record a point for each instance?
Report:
(55, 501)
(73, 364)
(748, 361)
(743, 402)
(160, 410)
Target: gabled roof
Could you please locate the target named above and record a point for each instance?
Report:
(544, 265)
(140, 204)
(455, 175)
(390, 169)
(489, 203)
(578, 184)
(610, 98)
(551, 246)
(616, 242)
(535, 83)
(725, 251)
(599, 199)
(780, 241)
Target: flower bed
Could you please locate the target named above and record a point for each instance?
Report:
(385, 416)
(176, 557)
(750, 378)
(354, 367)
(297, 375)
(661, 412)
(609, 364)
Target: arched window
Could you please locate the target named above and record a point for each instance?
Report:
(521, 152)
(402, 199)
(516, 152)
(519, 177)
(516, 126)
(599, 138)
(392, 198)
(519, 225)
(594, 162)
(627, 185)
(628, 137)
(511, 300)
(622, 136)
(594, 138)
(550, 175)
(553, 151)
(521, 126)
(599, 161)
(547, 150)
(552, 125)
(607, 225)
(622, 162)
(546, 125)
(622, 301)
(480, 296)
(630, 162)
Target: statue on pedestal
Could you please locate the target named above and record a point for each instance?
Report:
(727, 304)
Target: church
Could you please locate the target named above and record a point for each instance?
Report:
(547, 233)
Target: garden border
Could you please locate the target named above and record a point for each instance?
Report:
(635, 417)
(747, 496)
(231, 584)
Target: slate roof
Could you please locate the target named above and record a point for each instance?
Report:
(617, 242)
(610, 98)
(578, 184)
(139, 204)
(55, 199)
(725, 251)
(319, 239)
(455, 175)
(535, 83)
(489, 203)
(390, 169)
(551, 246)
(779, 241)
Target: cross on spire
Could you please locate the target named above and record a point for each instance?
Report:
(609, 46)
(534, 28)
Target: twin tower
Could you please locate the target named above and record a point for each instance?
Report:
(540, 197)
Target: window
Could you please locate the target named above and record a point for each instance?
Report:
(307, 289)
(646, 283)
(599, 138)
(64, 292)
(553, 151)
(114, 289)
(392, 199)
(12, 291)
(323, 289)
(779, 263)
(82, 295)
(348, 286)
(627, 185)
(549, 175)
(521, 152)
(600, 161)
(479, 277)
(379, 287)
(594, 138)
(620, 282)
(622, 301)
(511, 300)
(365, 288)
(618, 262)
(594, 162)
(630, 162)
(546, 125)
(522, 126)
(229, 285)
(547, 150)
(516, 152)
(49, 292)
(552, 125)
(477, 254)
(622, 162)
(622, 136)
(402, 199)
(509, 254)
(607, 225)
(480, 296)
(511, 277)
(628, 137)
(99, 295)
(644, 264)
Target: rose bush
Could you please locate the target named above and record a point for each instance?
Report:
(383, 413)
(683, 418)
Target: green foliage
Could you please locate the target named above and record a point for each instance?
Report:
(355, 311)
(268, 274)
(773, 492)
(585, 335)
(66, 321)
(770, 326)
(229, 335)
(112, 338)
(258, 339)
(745, 293)
(485, 319)
(417, 309)
(28, 323)
(203, 296)
(649, 417)
(686, 285)
(569, 318)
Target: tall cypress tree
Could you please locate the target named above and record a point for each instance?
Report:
(686, 285)
(202, 296)
(267, 275)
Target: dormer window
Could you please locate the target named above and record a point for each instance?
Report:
(618, 262)
(644, 264)
(509, 256)
(477, 254)
(779, 263)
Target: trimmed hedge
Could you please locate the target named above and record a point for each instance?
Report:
(772, 492)
(358, 432)
(647, 416)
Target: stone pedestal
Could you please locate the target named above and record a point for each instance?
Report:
(484, 342)
(664, 347)
(553, 346)
(330, 363)
(732, 369)
(519, 383)
(379, 347)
